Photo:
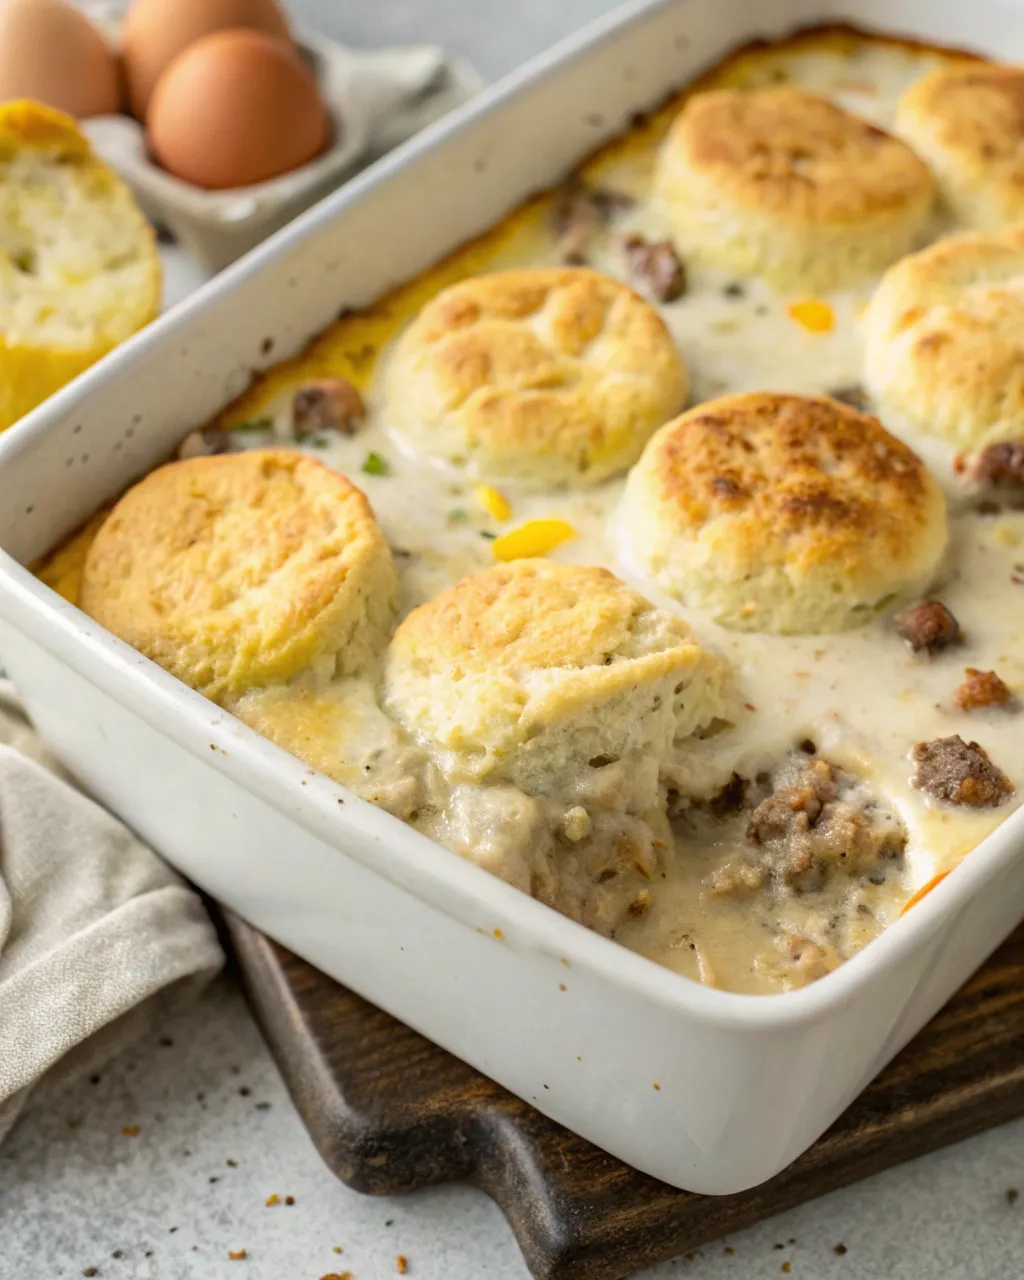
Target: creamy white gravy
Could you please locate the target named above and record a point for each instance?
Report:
(862, 697)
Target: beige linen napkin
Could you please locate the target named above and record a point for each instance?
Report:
(99, 940)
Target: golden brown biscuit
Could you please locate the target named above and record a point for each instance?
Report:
(544, 376)
(782, 513)
(944, 334)
(245, 569)
(79, 269)
(967, 122)
(537, 673)
(784, 184)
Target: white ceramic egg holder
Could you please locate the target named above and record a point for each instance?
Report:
(375, 100)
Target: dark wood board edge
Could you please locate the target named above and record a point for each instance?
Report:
(389, 1113)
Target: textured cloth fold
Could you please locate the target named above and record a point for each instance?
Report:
(99, 939)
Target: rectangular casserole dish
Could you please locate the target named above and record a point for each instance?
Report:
(710, 1091)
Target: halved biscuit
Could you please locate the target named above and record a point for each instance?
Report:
(79, 269)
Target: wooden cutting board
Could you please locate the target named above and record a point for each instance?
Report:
(391, 1112)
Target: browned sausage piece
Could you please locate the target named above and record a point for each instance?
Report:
(655, 268)
(579, 213)
(327, 404)
(999, 466)
(981, 689)
(928, 626)
(960, 773)
(805, 829)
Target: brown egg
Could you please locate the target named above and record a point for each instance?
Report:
(156, 31)
(50, 52)
(236, 108)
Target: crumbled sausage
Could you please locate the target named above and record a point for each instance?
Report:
(999, 466)
(328, 404)
(735, 878)
(729, 798)
(805, 828)
(960, 773)
(655, 267)
(800, 803)
(928, 626)
(579, 213)
(203, 444)
(981, 689)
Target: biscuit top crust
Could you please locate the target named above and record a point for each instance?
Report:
(237, 570)
(534, 668)
(945, 331)
(533, 616)
(565, 368)
(797, 157)
(809, 477)
(976, 111)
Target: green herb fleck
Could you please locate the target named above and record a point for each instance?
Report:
(458, 515)
(320, 442)
(489, 536)
(253, 424)
(375, 465)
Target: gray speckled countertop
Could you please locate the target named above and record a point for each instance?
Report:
(217, 1134)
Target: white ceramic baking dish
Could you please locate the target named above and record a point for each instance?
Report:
(710, 1091)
